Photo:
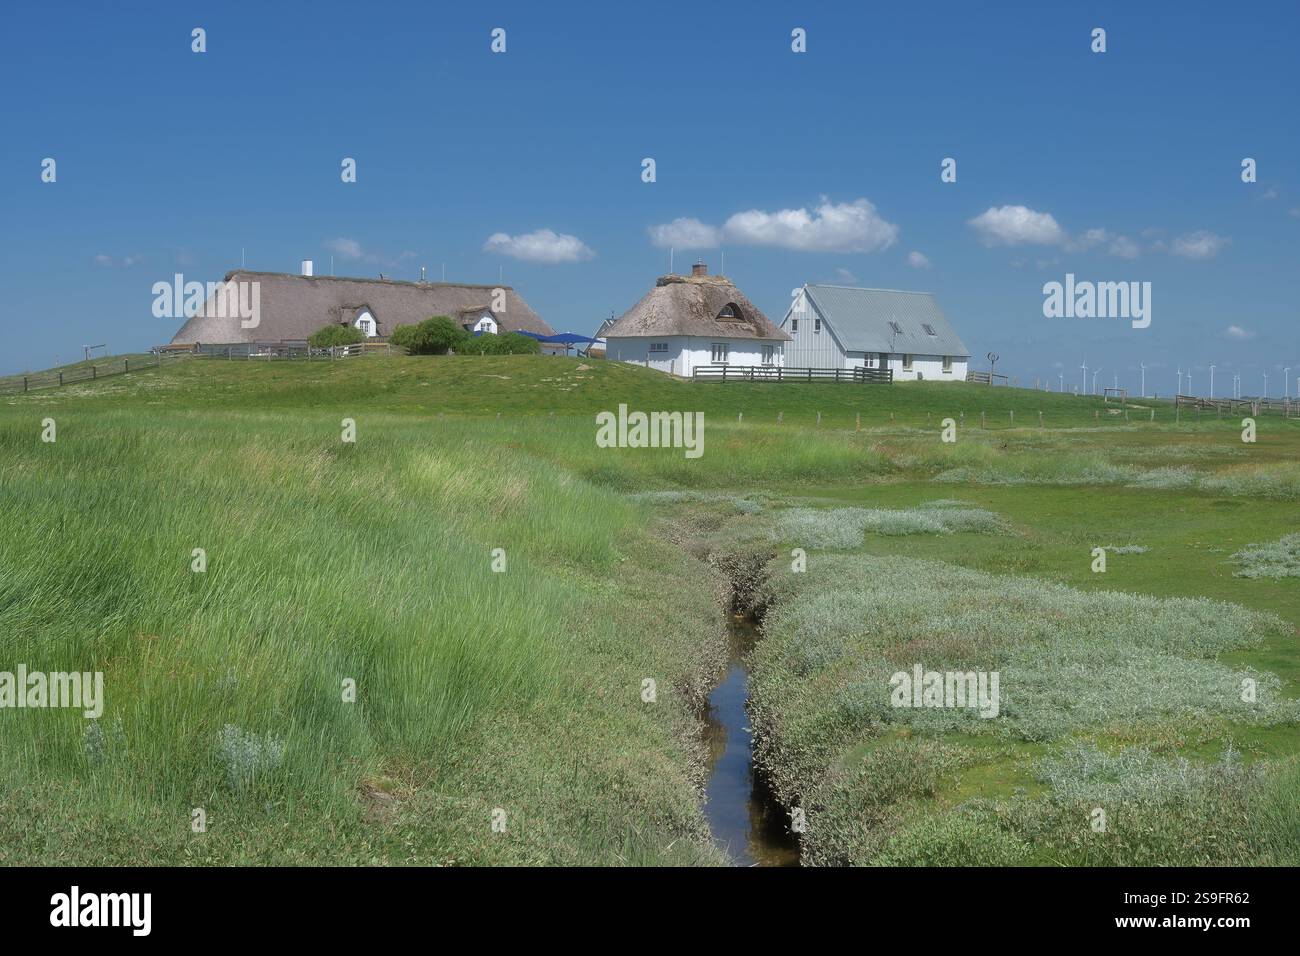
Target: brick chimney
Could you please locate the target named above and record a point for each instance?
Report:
(699, 269)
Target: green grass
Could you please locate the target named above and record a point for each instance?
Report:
(521, 690)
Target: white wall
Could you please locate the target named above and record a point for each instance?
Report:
(366, 323)
(685, 353)
(928, 366)
(811, 347)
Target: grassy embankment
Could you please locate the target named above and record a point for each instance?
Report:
(373, 562)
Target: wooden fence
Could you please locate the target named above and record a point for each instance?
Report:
(986, 378)
(271, 351)
(777, 373)
(1239, 406)
(17, 384)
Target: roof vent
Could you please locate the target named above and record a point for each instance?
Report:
(699, 269)
(306, 267)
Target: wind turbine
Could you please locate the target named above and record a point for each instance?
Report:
(1266, 384)
(1084, 366)
(1062, 374)
(1180, 380)
(1143, 367)
(1211, 382)
(1094, 380)
(1286, 382)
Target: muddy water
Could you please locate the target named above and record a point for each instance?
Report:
(746, 821)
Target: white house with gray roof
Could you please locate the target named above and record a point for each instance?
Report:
(833, 326)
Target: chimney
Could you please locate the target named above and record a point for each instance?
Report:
(306, 267)
(699, 269)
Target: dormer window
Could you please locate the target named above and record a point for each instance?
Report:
(730, 313)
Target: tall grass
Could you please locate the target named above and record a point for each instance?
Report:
(326, 562)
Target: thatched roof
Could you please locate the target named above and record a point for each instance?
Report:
(294, 306)
(693, 305)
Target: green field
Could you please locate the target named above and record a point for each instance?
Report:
(516, 695)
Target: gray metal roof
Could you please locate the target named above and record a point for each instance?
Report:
(860, 319)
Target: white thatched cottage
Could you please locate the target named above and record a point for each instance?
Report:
(685, 322)
(841, 327)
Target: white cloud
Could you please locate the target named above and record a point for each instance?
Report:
(544, 245)
(346, 248)
(1201, 244)
(1013, 225)
(1124, 247)
(125, 262)
(917, 260)
(830, 227)
(684, 233)
(1238, 333)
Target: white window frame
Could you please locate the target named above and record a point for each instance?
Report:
(947, 364)
(907, 362)
(817, 325)
(658, 346)
(723, 349)
(794, 324)
(769, 355)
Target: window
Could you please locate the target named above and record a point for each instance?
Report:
(868, 359)
(768, 353)
(719, 353)
(897, 329)
(658, 346)
(947, 364)
(929, 329)
(794, 325)
(730, 313)
(817, 325)
(907, 362)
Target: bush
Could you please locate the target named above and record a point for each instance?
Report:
(335, 335)
(512, 343)
(434, 336)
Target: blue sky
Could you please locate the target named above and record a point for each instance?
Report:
(815, 166)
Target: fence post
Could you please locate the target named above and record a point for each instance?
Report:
(740, 418)
(92, 371)
(24, 383)
(126, 365)
(982, 421)
(819, 418)
(1040, 418)
(779, 416)
(1153, 414)
(1011, 416)
(857, 422)
(60, 378)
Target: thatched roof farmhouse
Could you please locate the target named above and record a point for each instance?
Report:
(688, 321)
(292, 307)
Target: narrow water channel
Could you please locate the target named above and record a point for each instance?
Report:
(745, 819)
